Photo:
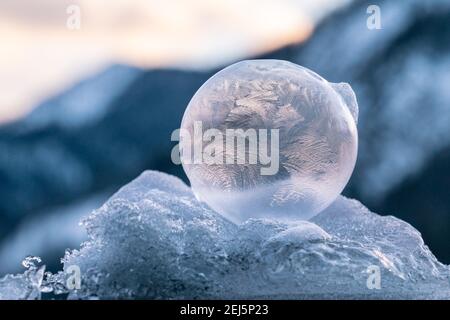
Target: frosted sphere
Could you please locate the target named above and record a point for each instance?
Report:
(269, 139)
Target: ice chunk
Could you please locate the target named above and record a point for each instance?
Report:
(26, 286)
(153, 239)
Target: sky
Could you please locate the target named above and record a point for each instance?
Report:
(40, 55)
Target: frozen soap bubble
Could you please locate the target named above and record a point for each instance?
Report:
(269, 139)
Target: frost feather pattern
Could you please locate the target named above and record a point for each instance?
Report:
(317, 140)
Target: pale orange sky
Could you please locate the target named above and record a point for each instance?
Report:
(40, 56)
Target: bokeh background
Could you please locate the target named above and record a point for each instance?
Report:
(85, 110)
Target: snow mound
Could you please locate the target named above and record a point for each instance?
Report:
(153, 239)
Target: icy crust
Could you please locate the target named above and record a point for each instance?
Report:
(26, 286)
(153, 239)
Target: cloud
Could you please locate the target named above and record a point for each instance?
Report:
(42, 56)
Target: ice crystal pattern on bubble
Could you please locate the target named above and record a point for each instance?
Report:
(317, 139)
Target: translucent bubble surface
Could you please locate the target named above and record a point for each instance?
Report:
(276, 139)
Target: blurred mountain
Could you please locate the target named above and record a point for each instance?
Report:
(401, 76)
(99, 134)
(106, 130)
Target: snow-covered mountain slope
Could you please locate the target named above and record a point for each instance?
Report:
(86, 102)
(63, 152)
